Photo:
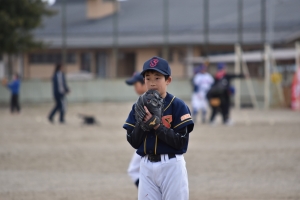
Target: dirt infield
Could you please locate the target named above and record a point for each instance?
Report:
(257, 158)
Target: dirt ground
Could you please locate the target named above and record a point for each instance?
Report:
(257, 158)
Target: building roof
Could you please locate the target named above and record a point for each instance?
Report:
(140, 23)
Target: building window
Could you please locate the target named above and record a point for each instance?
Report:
(50, 58)
(181, 56)
(86, 62)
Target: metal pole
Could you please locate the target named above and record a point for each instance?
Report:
(237, 70)
(190, 54)
(272, 58)
(115, 40)
(297, 55)
(206, 26)
(263, 21)
(278, 84)
(249, 82)
(266, 56)
(166, 29)
(271, 21)
(267, 77)
(240, 21)
(64, 35)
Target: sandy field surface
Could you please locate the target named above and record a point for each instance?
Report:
(257, 158)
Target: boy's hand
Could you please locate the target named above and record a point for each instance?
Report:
(150, 121)
(148, 114)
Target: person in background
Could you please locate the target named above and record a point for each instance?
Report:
(220, 92)
(60, 89)
(137, 80)
(202, 82)
(14, 87)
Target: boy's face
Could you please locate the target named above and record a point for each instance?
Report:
(139, 88)
(156, 81)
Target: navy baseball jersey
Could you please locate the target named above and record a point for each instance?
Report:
(176, 116)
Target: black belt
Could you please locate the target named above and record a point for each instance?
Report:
(157, 158)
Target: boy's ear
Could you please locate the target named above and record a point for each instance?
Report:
(169, 80)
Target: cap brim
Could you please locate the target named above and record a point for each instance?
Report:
(131, 81)
(155, 69)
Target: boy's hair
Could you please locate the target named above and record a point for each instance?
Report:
(153, 71)
(17, 75)
(142, 81)
(136, 77)
(58, 67)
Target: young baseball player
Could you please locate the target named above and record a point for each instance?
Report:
(14, 87)
(222, 90)
(163, 173)
(137, 80)
(202, 81)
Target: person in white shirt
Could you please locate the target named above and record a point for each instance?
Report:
(202, 82)
(137, 80)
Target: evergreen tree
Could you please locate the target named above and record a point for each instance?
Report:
(18, 18)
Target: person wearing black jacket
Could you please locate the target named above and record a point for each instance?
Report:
(60, 89)
(220, 92)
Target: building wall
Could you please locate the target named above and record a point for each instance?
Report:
(144, 54)
(46, 71)
(177, 64)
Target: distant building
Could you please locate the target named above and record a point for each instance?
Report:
(140, 33)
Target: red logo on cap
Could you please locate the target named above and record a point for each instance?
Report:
(153, 62)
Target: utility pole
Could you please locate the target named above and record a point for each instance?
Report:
(113, 73)
(263, 21)
(64, 35)
(267, 77)
(297, 46)
(206, 25)
(166, 29)
(237, 70)
(240, 21)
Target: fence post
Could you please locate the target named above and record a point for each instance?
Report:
(297, 55)
(267, 77)
(237, 70)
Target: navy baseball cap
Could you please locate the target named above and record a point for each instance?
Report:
(220, 66)
(136, 77)
(199, 69)
(157, 64)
